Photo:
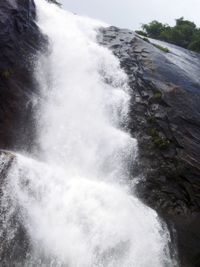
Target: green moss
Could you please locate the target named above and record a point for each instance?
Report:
(151, 119)
(162, 48)
(7, 73)
(152, 132)
(157, 95)
(160, 142)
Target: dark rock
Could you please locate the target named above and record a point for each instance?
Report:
(165, 118)
(14, 242)
(20, 41)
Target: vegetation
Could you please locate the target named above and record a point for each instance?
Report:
(161, 143)
(162, 48)
(6, 73)
(185, 33)
(157, 95)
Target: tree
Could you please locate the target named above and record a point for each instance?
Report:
(185, 30)
(185, 33)
(153, 29)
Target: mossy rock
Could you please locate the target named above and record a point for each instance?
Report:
(157, 95)
(146, 40)
(162, 48)
(6, 73)
(160, 142)
(151, 119)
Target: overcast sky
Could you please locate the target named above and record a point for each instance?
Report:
(132, 13)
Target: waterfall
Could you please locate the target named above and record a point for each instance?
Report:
(73, 192)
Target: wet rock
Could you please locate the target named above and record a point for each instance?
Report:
(20, 41)
(165, 118)
(14, 242)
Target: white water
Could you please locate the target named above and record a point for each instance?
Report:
(74, 198)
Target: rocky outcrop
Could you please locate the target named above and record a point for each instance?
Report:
(20, 40)
(165, 118)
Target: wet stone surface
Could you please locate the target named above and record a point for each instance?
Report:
(165, 119)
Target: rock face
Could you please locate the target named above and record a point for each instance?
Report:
(20, 40)
(165, 118)
(14, 245)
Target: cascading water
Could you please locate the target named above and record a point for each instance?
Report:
(74, 198)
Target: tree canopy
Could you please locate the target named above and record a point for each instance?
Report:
(185, 33)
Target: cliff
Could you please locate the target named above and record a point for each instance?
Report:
(165, 119)
(20, 41)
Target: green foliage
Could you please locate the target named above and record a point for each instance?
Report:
(153, 29)
(195, 44)
(160, 142)
(185, 33)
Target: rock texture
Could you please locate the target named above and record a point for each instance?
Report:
(20, 40)
(165, 118)
(14, 245)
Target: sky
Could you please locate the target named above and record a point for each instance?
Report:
(133, 13)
